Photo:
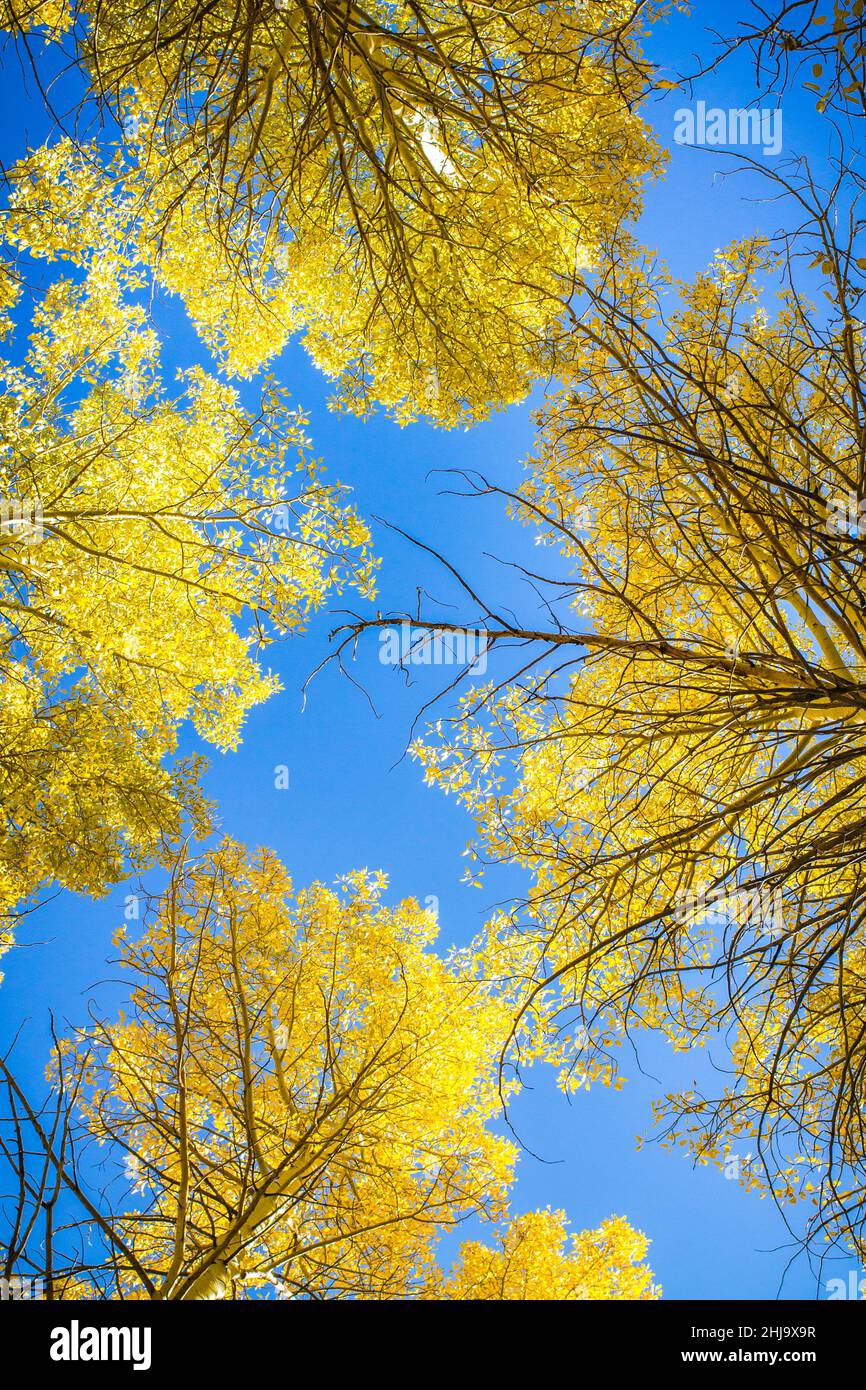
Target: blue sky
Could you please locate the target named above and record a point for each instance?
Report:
(355, 800)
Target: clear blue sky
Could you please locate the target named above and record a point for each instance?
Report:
(353, 802)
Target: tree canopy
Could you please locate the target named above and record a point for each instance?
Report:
(415, 187)
(153, 541)
(299, 1100)
(440, 198)
(679, 764)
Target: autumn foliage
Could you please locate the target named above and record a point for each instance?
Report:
(303, 1096)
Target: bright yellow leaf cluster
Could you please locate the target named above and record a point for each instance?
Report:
(151, 542)
(301, 1099)
(536, 1260)
(687, 787)
(415, 187)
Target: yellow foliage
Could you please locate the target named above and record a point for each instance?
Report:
(687, 787)
(536, 1260)
(22, 16)
(150, 542)
(414, 187)
(301, 1099)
